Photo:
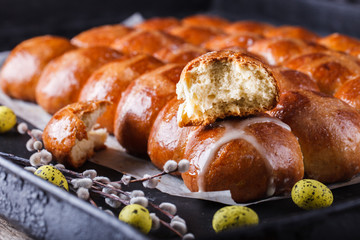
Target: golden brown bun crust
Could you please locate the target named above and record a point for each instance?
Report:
(291, 32)
(243, 40)
(158, 23)
(293, 80)
(240, 27)
(343, 43)
(111, 80)
(349, 92)
(66, 128)
(239, 166)
(278, 50)
(208, 21)
(21, 70)
(329, 69)
(62, 79)
(328, 131)
(167, 140)
(133, 121)
(147, 42)
(102, 36)
(194, 35)
(240, 58)
(181, 54)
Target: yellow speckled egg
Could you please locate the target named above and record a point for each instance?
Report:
(7, 119)
(53, 175)
(311, 194)
(137, 216)
(234, 216)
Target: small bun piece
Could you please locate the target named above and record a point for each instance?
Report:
(225, 83)
(70, 135)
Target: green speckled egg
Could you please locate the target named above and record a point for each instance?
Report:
(53, 175)
(7, 119)
(137, 216)
(311, 194)
(234, 216)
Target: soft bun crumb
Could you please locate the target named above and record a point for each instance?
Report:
(72, 134)
(225, 83)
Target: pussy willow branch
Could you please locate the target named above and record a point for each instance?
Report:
(96, 189)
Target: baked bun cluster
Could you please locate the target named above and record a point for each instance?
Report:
(254, 107)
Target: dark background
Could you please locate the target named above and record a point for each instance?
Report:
(22, 19)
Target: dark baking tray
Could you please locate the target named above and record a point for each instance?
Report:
(45, 212)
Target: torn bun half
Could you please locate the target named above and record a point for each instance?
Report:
(225, 83)
(71, 134)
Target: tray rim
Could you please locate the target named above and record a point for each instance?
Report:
(53, 191)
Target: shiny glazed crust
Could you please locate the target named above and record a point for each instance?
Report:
(179, 54)
(62, 79)
(133, 121)
(167, 140)
(23, 67)
(278, 50)
(102, 36)
(239, 166)
(194, 35)
(147, 42)
(111, 80)
(349, 92)
(292, 80)
(240, 27)
(328, 131)
(242, 40)
(158, 23)
(291, 32)
(329, 69)
(207, 21)
(343, 43)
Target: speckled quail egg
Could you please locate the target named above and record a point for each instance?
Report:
(311, 194)
(137, 216)
(53, 175)
(7, 119)
(234, 216)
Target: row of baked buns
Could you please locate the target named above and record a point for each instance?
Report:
(278, 70)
